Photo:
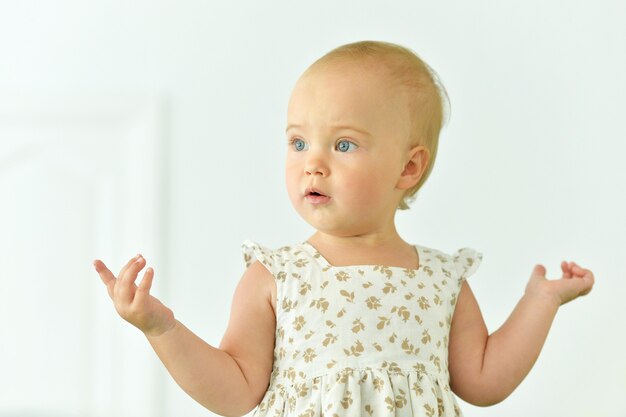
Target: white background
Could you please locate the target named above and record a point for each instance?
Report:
(530, 167)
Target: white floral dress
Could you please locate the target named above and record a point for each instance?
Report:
(362, 340)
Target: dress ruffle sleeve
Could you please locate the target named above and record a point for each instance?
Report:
(466, 262)
(252, 251)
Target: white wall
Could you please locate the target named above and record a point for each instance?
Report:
(530, 167)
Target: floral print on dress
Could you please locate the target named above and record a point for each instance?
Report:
(361, 340)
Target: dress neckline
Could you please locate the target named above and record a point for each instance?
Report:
(327, 265)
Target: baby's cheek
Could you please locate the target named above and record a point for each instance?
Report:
(292, 185)
(365, 190)
(293, 192)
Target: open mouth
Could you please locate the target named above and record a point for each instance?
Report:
(311, 191)
(314, 196)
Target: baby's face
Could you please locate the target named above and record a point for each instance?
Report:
(348, 134)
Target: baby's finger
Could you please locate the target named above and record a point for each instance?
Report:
(107, 276)
(125, 288)
(582, 272)
(133, 269)
(588, 282)
(585, 277)
(143, 290)
(128, 265)
(590, 279)
(567, 272)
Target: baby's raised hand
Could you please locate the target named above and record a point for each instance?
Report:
(134, 303)
(574, 283)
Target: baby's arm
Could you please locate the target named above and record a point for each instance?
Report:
(485, 369)
(229, 380)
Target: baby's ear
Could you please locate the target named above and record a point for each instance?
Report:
(417, 159)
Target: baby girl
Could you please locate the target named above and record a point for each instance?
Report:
(354, 321)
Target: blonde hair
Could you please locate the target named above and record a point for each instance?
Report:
(427, 94)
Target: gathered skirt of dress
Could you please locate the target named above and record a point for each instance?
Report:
(356, 393)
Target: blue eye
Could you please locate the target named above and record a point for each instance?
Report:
(346, 146)
(298, 144)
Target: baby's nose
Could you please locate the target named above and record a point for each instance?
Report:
(315, 165)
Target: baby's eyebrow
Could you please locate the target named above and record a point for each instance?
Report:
(334, 127)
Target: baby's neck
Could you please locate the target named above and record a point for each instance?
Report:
(388, 250)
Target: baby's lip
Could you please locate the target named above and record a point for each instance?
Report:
(313, 190)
